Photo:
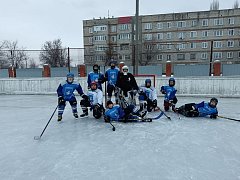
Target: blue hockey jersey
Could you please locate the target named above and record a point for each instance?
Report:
(111, 75)
(115, 113)
(92, 76)
(169, 92)
(205, 109)
(66, 90)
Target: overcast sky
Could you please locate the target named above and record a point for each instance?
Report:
(32, 22)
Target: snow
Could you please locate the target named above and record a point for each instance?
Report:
(184, 148)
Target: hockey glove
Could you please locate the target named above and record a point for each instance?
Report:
(84, 96)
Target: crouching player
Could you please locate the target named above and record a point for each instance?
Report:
(94, 100)
(170, 98)
(148, 97)
(200, 110)
(65, 93)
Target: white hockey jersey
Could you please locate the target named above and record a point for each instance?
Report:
(151, 92)
(95, 96)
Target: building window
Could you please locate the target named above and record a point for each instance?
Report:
(180, 56)
(159, 57)
(124, 36)
(100, 48)
(100, 38)
(159, 25)
(113, 38)
(192, 56)
(159, 46)
(194, 23)
(113, 28)
(90, 30)
(217, 55)
(181, 35)
(218, 22)
(148, 37)
(181, 24)
(218, 33)
(169, 46)
(99, 28)
(124, 46)
(193, 34)
(181, 46)
(204, 56)
(205, 22)
(231, 32)
(169, 25)
(123, 27)
(169, 35)
(149, 47)
(230, 44)
(148, 26)
(204, 45)
(231, 20)
(239, 54)
(90, 40)
(99, 58)
(160, 36)
(229, 55)
(217, 44)
(193, 45)
(205, 34)
(168, 57)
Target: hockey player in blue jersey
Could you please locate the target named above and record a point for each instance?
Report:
(148, 96)
(170, 98)
(117, 113)
(65, 93)
(111, 76)
(96, 76)
(200, 110)
(94, 100)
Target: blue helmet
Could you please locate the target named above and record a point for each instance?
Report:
(171, 80)
(148, 81)
(70, 75)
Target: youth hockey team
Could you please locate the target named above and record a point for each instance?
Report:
(124, 87)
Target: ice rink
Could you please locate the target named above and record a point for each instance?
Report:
(180, 149)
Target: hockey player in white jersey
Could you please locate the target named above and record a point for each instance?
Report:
(148, 97)
(94, 101)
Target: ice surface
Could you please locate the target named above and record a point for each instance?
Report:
(200, 148)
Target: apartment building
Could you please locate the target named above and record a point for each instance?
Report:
(186, 37)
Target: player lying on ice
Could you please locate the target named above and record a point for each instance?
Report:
(200, 110)
(116, 113)
(94, 100)
(65, 93)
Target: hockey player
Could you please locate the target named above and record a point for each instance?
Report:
(117, 113)
(200, 110)
(111, 76)
(96, 76)
(127, 83)
(65, 93)
(170, 98)
(94, 100)
(148, 96)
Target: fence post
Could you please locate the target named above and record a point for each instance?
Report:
(217, 68)
(12, 72)
(46, 70)
(168, 68)
(82, 70)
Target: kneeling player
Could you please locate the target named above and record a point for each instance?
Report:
(65, 93)
(200, 110)
(148, 97)
(94, 100)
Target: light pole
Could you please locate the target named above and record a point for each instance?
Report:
(137, 38)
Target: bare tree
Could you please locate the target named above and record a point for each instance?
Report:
(32, 63)
(149, 52)
(236, 5)
(3, 59)
(54, 54)
(110, 53)
(214, 5)
(15, 56)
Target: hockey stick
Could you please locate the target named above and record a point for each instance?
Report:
(39, 137)
(113, 127)
(232, 119)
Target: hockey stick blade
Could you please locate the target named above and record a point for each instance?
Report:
(37, 137)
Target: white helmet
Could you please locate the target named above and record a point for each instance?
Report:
(125, 70)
